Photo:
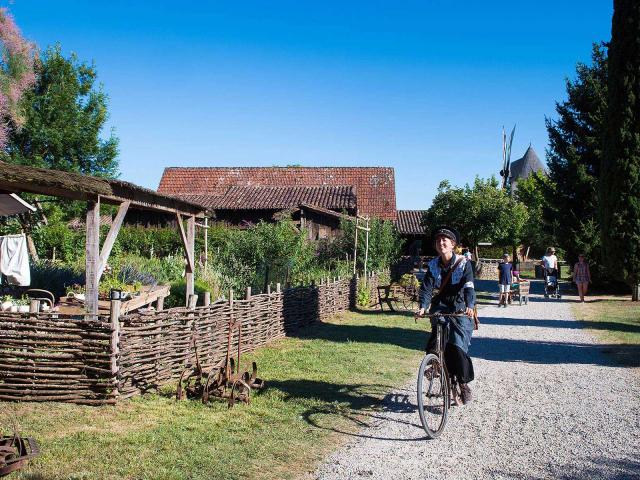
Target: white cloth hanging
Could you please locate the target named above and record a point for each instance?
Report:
(14, 260)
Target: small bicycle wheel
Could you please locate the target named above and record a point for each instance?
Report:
(433, 395)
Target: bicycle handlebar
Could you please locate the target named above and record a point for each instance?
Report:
(439, 314)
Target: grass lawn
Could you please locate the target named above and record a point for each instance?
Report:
(318, 384)
(615, 321)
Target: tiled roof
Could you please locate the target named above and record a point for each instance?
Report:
(408, 222)
(274, 198)
(374, 186)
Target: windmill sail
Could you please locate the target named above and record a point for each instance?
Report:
(506, 156)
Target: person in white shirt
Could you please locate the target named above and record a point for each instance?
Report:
(550, 262)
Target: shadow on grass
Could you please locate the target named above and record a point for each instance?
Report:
(358, 405)
(496, 349)
(412, 339)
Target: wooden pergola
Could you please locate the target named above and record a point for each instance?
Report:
(94, 190)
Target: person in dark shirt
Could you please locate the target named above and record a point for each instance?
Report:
(504, 280)
(457, 296)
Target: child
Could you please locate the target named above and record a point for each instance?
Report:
(504, 280)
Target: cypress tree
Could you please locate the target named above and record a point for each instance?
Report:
(570, 207)
(620, 178)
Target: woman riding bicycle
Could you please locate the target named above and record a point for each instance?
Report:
(457, 296)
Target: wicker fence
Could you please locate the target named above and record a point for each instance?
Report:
(47, 357)
(51, 357)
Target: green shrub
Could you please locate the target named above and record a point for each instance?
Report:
(149, 241)
(55, 277)
(67, 244)
(363, 294)
(177, 297)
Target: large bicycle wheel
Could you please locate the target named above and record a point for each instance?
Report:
(433, 395)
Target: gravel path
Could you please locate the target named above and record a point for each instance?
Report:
(548, 403)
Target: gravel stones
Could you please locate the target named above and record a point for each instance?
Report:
(548, 402)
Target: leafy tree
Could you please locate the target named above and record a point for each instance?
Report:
(384, 244)
(531, 193)
(573, 158)
(65, 113)
(620, 181)
(481, 212)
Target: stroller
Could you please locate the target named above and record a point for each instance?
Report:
(551, 285)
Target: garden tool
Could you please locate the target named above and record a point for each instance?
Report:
(15, 451)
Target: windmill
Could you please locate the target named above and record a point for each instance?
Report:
(506, 156)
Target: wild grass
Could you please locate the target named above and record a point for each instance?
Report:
(322, 382)
(615, 321)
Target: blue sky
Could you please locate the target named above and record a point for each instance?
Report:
(424, 87)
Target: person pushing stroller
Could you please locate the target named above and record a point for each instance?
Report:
(550, 266)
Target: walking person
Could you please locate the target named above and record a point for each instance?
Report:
(581, 276)
(452, 276)
(504, 280)
(550, 262)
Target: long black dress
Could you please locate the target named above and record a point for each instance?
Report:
(457, 295)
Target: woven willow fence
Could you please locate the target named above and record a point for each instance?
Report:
(52, 357)
(55, 357)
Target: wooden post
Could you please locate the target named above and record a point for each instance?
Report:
(355, 248)
(366, 249)
(160, 304)
(114, 315)
(192, 301)
(248, 293)
(206, 242)
(92, 252)
(191, 237)
(277, 288)
(207, 299)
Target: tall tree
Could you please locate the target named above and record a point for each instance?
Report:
(65, 113)
(620, 181)
(573, 158)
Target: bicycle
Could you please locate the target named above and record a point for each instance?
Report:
(435, 400)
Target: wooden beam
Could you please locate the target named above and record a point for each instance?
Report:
(191, 240)
(185, 243)
(92, 252)
(111, 237)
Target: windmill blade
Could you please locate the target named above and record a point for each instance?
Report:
(504, 149)
(508, 158)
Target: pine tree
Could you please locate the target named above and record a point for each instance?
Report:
(620, 180)
(570, 215)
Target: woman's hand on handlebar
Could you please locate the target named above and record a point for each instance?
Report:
(419, 313)
(468, 312)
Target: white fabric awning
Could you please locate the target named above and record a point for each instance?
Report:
(12, 204)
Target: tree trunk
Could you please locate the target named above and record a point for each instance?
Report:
(635, 292)
(31, 247)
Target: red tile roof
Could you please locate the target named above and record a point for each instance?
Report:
(374, 186)
(275, 198)
(408, 222)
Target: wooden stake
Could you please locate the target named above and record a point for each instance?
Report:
(114, 314)
(92, 252)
